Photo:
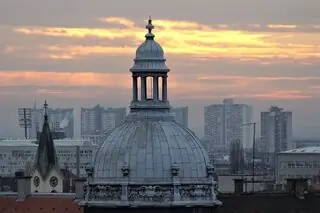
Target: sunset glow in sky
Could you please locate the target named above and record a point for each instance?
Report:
(78, 54)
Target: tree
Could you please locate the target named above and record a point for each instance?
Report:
(236, 157)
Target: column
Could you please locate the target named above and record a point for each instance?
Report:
(155, 88)
(135, 88)
(164, 88)
(143, 88)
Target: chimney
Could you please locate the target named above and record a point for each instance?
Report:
(299, 187)
(23, 185)
(79, 188)
(238, 186)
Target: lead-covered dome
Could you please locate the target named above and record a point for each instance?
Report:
(149, 150)
(149, 49)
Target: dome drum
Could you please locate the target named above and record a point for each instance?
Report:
(123, 192)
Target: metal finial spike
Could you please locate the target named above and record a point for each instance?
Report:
(45, 106)
(149, 26)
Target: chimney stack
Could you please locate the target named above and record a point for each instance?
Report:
(79, 188)
(238, 186)
(23, 185)
(298, 186)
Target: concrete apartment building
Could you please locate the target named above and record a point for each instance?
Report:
(223, 123)
(276, 130)
(96, 121)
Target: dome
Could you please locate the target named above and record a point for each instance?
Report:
(150, 160)
(149, 55)
(149, 49)
(150, 149)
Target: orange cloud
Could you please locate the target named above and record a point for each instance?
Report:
(42, 79)
(185, 38)
(82, 84)
(219, 77)
(282, 95)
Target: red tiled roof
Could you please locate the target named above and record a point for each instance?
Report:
(39, 205)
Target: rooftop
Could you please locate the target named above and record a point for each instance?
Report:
(31, 142)
(305, 150)
(39, 203)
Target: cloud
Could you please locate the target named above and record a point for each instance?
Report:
(283, 95)
(280, 78)
(183, 38)
(99, 85)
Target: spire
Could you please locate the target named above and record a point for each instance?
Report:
(45, 107)
(149, 27)
(46, 155)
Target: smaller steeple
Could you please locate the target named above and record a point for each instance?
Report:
(149, 27)
(46, 159)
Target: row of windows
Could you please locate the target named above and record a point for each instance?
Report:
(300, 164)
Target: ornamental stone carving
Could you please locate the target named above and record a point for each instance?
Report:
(175, 170)
(125, 170)
(105, 193)
(89, 170)
(195, 192)
(150, 193)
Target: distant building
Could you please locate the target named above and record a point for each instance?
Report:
(61, 120)
(181, 115)
(98, 120)
(276, 130)
(298, 163)
(17, 155)
(223, 123)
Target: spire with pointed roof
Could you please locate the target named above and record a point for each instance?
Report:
(46, 158)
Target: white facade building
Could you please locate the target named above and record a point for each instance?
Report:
(16, 155)
(276, 130)
(223, 123)
(181, 115)
(297, 163)
(98, 120)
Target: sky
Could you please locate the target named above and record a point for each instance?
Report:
(78, 53)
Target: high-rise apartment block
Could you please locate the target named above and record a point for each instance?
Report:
(223, 123)
(61, 120)
(181, 115)
(276, 130)
(98, 120)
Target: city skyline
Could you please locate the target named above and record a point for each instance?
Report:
(220, 52)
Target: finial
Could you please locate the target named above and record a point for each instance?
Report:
(45, 106)
(150, 27)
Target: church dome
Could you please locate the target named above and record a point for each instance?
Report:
(150, 149)
(150, 160)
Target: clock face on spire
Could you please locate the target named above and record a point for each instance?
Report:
(36, 181)
(53, 181)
